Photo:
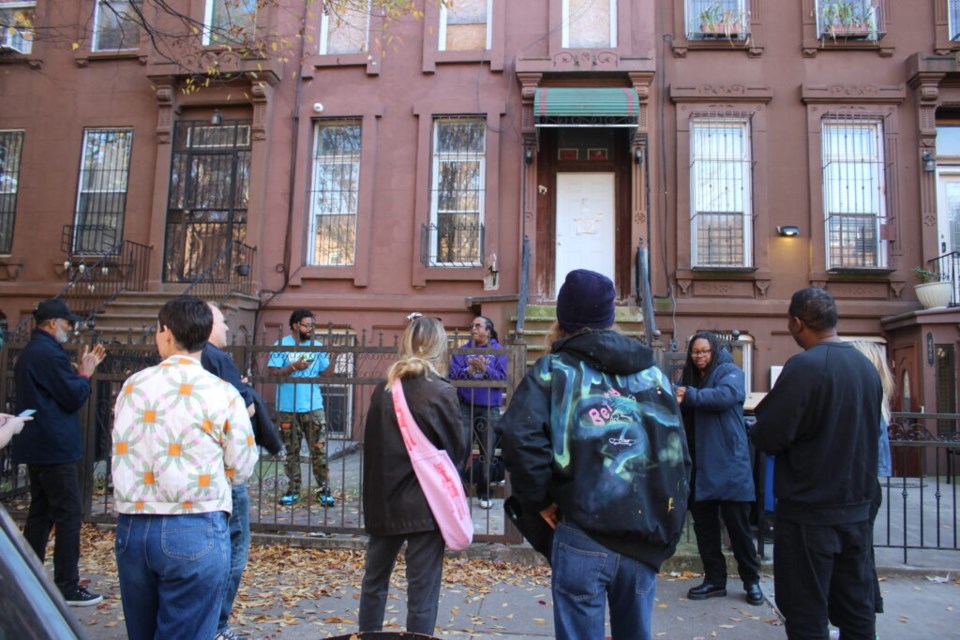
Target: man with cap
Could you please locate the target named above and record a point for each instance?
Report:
(52, 445)
(596, 447)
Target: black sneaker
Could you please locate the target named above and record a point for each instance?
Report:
(82, 598)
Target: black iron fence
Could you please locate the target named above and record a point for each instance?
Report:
(947, 269)
(920, 509)
(358, 363)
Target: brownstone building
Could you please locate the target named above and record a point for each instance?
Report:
(365, 167)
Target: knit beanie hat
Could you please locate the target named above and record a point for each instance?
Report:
(586, 300)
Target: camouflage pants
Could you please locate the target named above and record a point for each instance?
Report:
(293, 428)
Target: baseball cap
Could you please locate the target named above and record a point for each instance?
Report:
(54, 308)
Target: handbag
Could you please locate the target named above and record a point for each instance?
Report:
(438, 477)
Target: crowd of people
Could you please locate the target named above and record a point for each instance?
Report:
(603, 450)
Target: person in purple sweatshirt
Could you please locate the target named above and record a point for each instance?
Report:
(480, 406)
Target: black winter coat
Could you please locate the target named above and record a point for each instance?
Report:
(46, 381)
(393, 502)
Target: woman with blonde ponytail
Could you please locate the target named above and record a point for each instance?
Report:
(395, 508)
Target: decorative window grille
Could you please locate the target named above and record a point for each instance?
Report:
(953, 18)
(334, 192)
(589, 24)
(11, 148)
(16, 26)
(229, 21)
(721, 213)
(713, 19)
(465, 25)
(454, 237)
(102, 192)
(347, 31)
(853, 192)
(117, 25)
(850, 19)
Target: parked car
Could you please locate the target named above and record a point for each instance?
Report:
(30, 605)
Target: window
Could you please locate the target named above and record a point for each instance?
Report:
(345, 32)
(953, 18)
(711, 19)
(465, 25)
(117, 25)
(229, 21)
(334, 192)
(11, 147)
(457, 192)
(720, 182)
(16, 26)
(102, 194)
(850, 19)
(589, 24)
(853, 188)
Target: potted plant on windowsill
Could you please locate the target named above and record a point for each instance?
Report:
(847, 19)
(717, 21)
(932, 292)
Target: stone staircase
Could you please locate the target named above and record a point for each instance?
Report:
(128, 317)
(539, 319)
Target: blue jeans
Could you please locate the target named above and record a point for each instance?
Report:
(173, 572)
(585, 573)
(239, 549)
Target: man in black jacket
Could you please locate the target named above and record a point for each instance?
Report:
(219, 363)
(821, 420)
(51, 446)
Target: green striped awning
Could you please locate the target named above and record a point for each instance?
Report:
(566, 106)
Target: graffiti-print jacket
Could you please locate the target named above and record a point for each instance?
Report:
(594, 428)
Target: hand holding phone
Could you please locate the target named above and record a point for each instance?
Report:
(26, 413)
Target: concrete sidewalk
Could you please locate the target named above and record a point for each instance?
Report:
(516, 604)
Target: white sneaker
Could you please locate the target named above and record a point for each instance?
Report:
(486, 503)
(834, 634)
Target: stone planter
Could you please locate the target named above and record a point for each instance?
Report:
(934, 294)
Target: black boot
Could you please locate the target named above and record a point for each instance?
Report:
(707, 590)
(754, 594)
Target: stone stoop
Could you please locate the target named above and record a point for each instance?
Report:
(128, 317)
(539, 319)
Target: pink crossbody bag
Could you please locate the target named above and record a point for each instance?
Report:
(438, 477)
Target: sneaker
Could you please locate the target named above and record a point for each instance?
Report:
(227, 634)
(289, 498)
(486, 503)
(82, 598)
(325, 497)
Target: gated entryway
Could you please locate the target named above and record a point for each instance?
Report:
(209, 193)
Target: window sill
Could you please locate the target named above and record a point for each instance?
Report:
(859, 272)
(85, 58)
(684, 46)
(367, 59)
(729, 282)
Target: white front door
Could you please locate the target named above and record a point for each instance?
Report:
(948, 211)
(585, 224)
(948, 218)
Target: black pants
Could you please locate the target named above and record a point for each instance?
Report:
(706, 525)
(424, 558)
(55, 500)
(825, 573)
(480, 426)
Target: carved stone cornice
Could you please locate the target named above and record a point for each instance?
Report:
(165, 95)
(707, 92)
(859, 93)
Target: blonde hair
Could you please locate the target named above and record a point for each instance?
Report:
(423, 351)
(875, 353)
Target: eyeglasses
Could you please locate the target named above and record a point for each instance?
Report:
(697, 354)
(309, 326)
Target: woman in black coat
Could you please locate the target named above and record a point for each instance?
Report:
(711, 395)
(395, 508)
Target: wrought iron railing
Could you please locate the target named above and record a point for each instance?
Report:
(452, 245)
(92, 287)
(947, 268)
(230, 272)
(522, 298)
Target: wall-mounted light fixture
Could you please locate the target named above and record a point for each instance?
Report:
(788, 231)
(929, 162)
(216, 118)
(528, 155)
(638, 155)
